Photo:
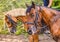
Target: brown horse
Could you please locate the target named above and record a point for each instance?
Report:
(34, 22)
(50, 16)
(11, 18)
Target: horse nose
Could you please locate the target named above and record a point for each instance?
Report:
(29, 31)
(11, 31)
(32, 30)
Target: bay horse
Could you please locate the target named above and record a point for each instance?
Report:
(50, 16)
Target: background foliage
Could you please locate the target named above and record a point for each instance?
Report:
(6, 5)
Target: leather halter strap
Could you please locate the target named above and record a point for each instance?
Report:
(36, 19)
(29, 23)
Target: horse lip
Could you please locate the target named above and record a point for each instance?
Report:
(29, 32)
(12, 30)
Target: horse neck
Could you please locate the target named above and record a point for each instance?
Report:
(47, 15)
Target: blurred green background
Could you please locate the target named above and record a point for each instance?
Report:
(6, 5)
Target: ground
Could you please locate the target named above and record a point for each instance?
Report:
(22, 38)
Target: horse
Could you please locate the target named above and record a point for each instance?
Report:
(50, 16)
(33, 22)
(11, 18)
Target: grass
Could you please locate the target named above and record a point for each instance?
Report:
(2, 31)
(1, 21)
(20, 29)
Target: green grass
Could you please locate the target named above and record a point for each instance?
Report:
(2, 31)
(20, 29)
(1, 21)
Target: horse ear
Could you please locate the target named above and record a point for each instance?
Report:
(33, 4)
(26, 5)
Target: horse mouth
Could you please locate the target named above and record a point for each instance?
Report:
(12, 30)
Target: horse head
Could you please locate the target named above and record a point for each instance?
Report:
(11, 24)
(33, 18)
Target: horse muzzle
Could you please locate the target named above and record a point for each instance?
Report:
(12, 30)
(32, 30)
(29, 32)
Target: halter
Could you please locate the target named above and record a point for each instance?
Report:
(36, 20)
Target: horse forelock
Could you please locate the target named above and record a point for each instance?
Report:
(28, 9)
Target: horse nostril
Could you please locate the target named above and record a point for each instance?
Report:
(29, 32)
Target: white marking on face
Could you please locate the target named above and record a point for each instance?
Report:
(33, 28)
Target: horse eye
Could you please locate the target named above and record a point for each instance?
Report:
(32, 15)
